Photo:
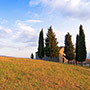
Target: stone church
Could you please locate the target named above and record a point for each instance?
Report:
(61, 57)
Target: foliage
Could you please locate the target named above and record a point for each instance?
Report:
(69, 49)
(81, 47)
(77, 45)
(27, 74)
(51, 49)
(41, 45)
(32, 56)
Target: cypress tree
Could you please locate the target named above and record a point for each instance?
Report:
(51, 49)
(41, 45)
(69, 49)
(82, 53)
(32, 56)
(77, 45)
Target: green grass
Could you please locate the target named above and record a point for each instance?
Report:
(27, 74)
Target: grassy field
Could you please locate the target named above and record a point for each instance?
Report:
(26, 74)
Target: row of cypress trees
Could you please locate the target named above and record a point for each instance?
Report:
(51, 48)
(81, 52)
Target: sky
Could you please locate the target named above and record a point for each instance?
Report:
(22, 20)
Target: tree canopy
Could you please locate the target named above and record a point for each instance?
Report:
(51, 49)
(81, 46)
(69, 48)
(32, 56)
(41, 45)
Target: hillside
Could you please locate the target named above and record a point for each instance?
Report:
(26, 74)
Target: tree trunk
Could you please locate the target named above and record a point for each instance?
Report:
(76, 62)
(81, 63)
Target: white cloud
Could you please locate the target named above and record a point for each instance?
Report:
(33, 21)
(1, 27)
(6, 44)
(22, 39)
(8, 31)
(24, 33)
(5, 32)
(36, 2)
(26, 28)
(3, 21)
(74, 8)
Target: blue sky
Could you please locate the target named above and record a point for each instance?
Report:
(22, 20)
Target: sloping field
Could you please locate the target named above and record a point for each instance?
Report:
(26, 74)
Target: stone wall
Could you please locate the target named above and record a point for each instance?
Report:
(48, 58)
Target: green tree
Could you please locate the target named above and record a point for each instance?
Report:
(82, 53)
(41, 45)
(69, 49)
(32, 56)
(77, 45)
(51, 49)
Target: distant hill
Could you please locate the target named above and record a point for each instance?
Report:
(13, 56)
(27, 74)
(88, 59)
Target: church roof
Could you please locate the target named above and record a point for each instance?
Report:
(61, 47)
